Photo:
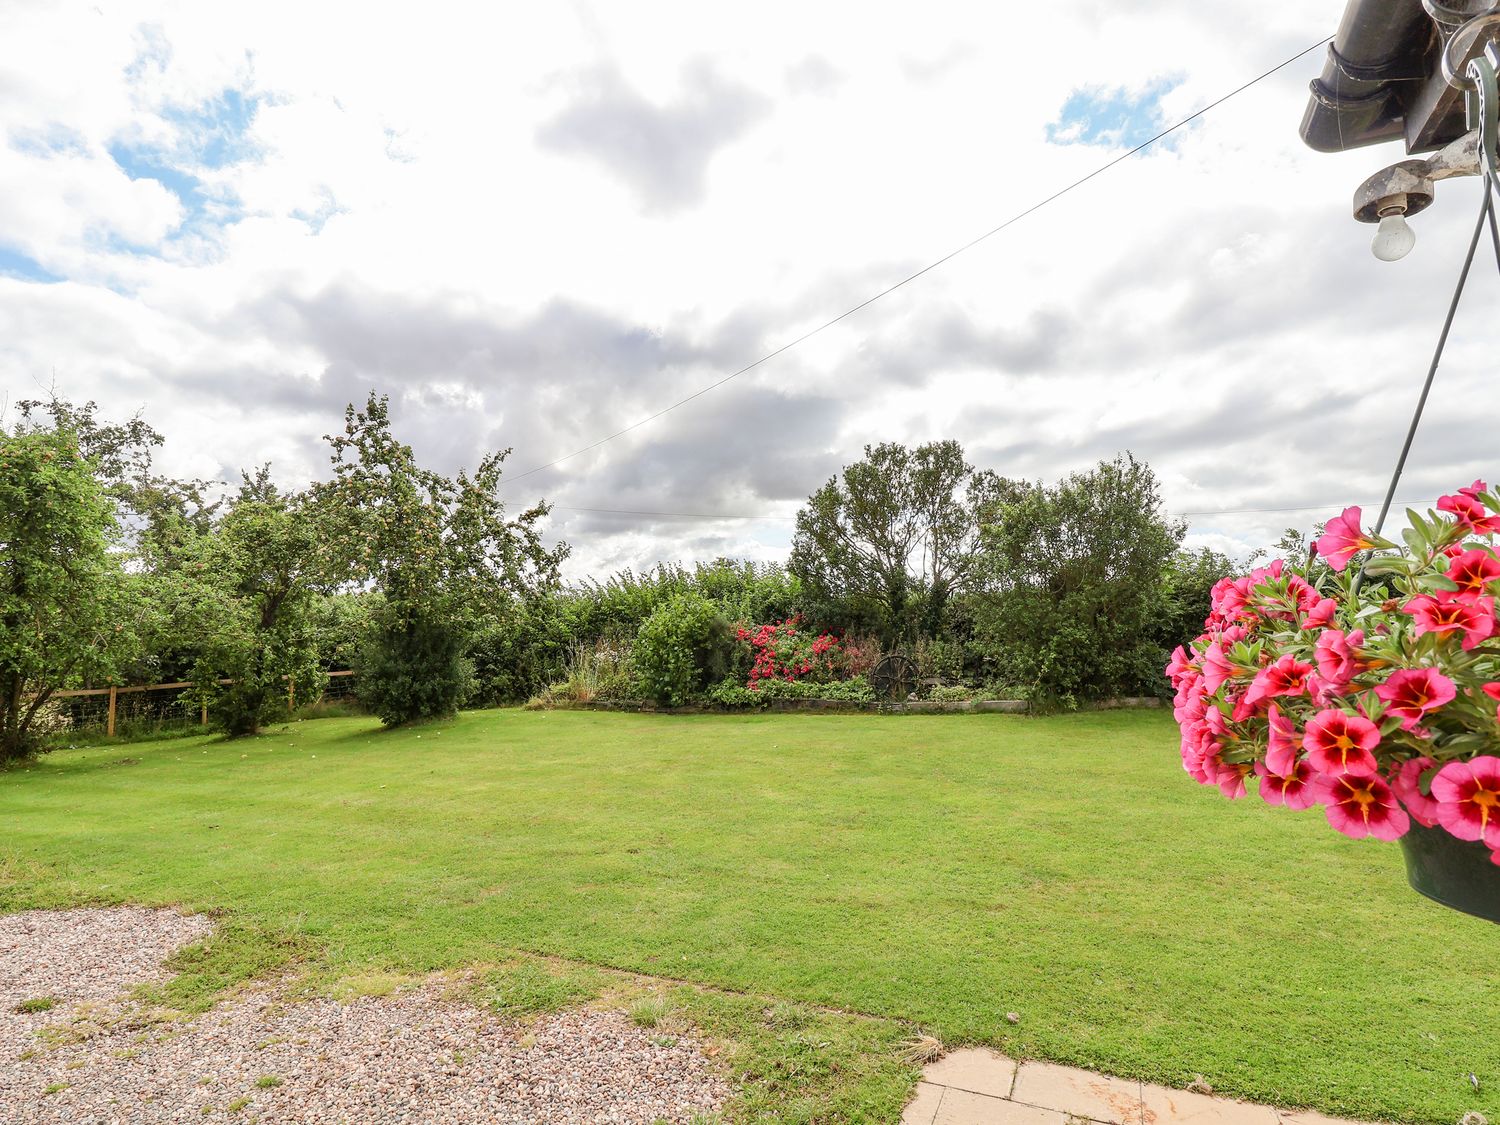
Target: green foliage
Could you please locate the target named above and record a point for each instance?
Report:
(733, 693)
(1075, 586)
(340, 622)
(248, 592)
(954, 693)
(1185, 596)
(441, 551)
(895, 537)
(518, 655)
(69, 613)
(682, 647)
(412, 666)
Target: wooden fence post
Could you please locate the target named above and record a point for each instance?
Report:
(204, 720)
(291, 688)
(109, 726)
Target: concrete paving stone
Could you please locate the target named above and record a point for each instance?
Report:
(1081, 1093)
(1165, 1106)
(976, 1069)
(960, 1107)
(923, 1108)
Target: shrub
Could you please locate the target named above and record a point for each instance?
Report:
(731, 693)
(413, 668)
(954, 693)
(780, 651)
(519, 655)
(684, 645)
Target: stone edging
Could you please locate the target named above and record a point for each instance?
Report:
(916, 707)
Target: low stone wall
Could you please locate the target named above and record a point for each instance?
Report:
(915, 707)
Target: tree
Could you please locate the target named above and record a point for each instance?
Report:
(897, 536)
(1185, 595)
(64, 595)
(1074, 584)
(248, 590)
(442, 553)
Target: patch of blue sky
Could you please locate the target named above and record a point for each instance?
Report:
(50, 140)
(206, 137)
(1116, 117)
(13, 263)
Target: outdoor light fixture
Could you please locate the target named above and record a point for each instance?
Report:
(1393, 194)
(1394, 238)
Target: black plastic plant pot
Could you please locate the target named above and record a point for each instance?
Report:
(1457, 873)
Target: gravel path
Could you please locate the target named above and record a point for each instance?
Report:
(414, 1056)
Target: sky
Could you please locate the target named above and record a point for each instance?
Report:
(534, 225)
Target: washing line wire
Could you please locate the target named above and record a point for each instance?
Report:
(769, 518)
(948, 257)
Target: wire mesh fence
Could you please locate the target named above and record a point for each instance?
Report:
(143, 709)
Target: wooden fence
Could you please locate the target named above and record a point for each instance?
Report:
(340, 686)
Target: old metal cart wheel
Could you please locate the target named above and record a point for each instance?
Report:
(894, 677)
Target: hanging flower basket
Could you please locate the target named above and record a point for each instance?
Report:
(1457, 873)
(1372, 693)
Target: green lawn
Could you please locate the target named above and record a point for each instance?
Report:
(943, 870)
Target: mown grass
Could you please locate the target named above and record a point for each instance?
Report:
(937, 871)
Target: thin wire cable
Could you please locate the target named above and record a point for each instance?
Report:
(768, 518)
(1486, 212)
(948, 257)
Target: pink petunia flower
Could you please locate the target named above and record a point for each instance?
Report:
(1475, 490)
(1412, 692)
(1342, 539)
(1473, 570)
(1470, 512)
(1294, 789)
(1285, 743)
(1321, 614)
(1407, 787)
(1179, 664)
(1339, 743)
(1468, 799)
(1286, 676)
(1360, 806)
(1473, 618)
(1216, 668)
(1493, 691)
(1230, 778)
(1337, 655)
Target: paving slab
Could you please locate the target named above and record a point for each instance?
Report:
(960, 1107)
(976, 1069)
(1165, 1106)
(1082, 1093)
(977, 1086)
(923, 1108)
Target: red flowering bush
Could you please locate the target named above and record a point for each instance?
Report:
(1377, 700)
(780, 651)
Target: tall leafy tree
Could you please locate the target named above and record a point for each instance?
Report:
(1074, 584)
(896, 535)
(67, 616)
(249, 590)
(441, 550)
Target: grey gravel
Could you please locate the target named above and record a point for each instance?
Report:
(414, 1056)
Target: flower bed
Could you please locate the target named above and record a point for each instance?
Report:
(1371, 693)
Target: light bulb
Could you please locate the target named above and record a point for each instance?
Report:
(1394, 239)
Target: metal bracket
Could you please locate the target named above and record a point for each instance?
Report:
(1482, 103)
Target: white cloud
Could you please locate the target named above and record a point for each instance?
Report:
(389, 219)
